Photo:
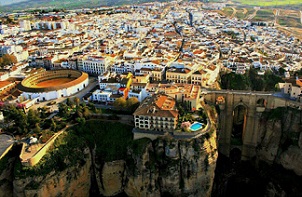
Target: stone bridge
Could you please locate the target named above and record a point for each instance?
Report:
(240, 112)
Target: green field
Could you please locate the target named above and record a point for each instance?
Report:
(264, 15)
(269, 2)
(227, 11)
(289, 21)
(240, 14)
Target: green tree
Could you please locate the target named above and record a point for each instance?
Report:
(33, 118)
(53, 125)
(69, 102)
(77, 101)
(257, 82)
(42, 111)
(19, 118)
(86, 112)
(119, 103)
(132, 103)
(81, 121)
(37, 129)
(271, 80)
(64, 110)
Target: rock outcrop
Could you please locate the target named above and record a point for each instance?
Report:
(175, 167)
(281, 140)
(6, 178)
(73, 181)
(153, 168)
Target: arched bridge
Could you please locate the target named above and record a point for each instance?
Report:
(240, 112)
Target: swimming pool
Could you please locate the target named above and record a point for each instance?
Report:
(196, 126)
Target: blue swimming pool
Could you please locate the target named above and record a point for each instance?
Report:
(196, 126)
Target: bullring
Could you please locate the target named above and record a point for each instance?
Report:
(48, 85)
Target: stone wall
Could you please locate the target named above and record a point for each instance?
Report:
(40, 153)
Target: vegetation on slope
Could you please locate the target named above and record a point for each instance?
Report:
(250, 81)
(110, 139)
(68, 150)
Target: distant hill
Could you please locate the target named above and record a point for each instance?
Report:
(66, 4)
(7, 2)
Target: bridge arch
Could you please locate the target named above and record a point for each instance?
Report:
(240, 111)
(261, 102)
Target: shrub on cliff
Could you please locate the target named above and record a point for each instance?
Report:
(110, 138)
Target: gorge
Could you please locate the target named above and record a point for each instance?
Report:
(87, 162)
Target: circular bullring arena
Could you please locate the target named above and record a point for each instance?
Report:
(48, 85)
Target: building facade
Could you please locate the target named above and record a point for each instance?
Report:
(157, 113)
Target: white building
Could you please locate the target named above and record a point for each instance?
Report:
(94, 65)
(25, 25)
(101, 96)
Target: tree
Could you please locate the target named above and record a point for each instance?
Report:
(7, 59)
(77, 101)
(132, 103)
(119, 103)
(53, 125)
(37, 129)
(42, 111)
(69, 102)
(33, 118)
(63, 110)
(86, 112)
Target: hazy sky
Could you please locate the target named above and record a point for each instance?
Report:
(7, 2)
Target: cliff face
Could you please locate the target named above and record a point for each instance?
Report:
(175, 167)
(276, 169)
(6, 178)
(281, 139)
(73, 181)
(152, 168)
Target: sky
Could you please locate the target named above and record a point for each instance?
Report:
(7, 2)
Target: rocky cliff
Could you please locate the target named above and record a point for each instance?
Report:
(72, 181)
(165, 166)
(162, 167)
(281, 138)
(175, 167)
(276, 169)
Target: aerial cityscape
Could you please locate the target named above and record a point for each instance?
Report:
(141, 98)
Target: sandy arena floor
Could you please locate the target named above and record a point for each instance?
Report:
(53, 82)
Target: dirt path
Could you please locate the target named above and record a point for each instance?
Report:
(244, 11)
(234, 12)
(276, 13)
(253, 15)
